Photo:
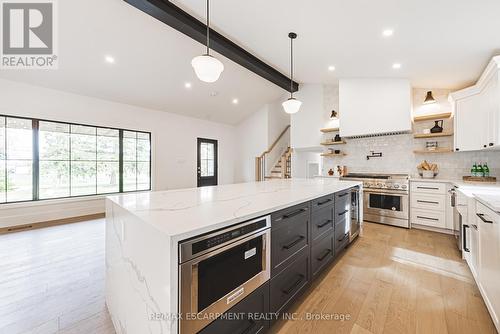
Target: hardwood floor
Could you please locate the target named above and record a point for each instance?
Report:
(390, 280)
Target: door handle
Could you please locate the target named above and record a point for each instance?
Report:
(464, 240)
(324, 224)
(294, 285)
(434, 219)
(324, 202)
(481, 216)
(298, 212)
(322, 257)
(343, 238)
(343, 212)
(430, 202)
(293, 243)
(342, 195)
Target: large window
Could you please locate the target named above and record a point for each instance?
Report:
(43, 159)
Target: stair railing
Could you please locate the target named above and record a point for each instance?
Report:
(265, 160)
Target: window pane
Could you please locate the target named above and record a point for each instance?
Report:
(108, 177)
(204, 168)
(143, 176)
(142, 135)
(129, 176)
(83, 178)
(108, 132)
(129, 134)
(143, 150)
(108, 148)
(19, 139)
(83, 147)
(54, 179)
(129, 152)
(2, 181)
(83, 130)
(19, 180)
(2, 137)
(54, 141)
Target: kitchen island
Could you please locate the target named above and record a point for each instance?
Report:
(143, 232)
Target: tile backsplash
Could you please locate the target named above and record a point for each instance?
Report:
(398, 157)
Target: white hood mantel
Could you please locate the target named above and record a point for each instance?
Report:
(374, 106)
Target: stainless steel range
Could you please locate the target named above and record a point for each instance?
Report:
(386, 198)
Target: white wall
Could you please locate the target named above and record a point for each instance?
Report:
(173, 140)
(252, 141)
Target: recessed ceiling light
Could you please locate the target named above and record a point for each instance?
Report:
(109, 59)
(387, 32)
(187, 85)
(235, 101)
(396, 66)
(331, 68)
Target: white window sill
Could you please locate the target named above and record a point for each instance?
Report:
(57, 201)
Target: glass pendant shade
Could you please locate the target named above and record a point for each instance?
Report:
(292, 105)
(429, 98)
(207, 68)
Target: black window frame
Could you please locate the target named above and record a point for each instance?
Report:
(36, 160)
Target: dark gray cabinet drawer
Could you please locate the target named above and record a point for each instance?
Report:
(343, 200)
(341, 235)
(289, 235)
(290, 283)
(322, 222)
(322, 253)
(281, 217)
(321, 202)
(244, 320)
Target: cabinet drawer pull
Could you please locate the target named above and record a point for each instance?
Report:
(322, 257)
(422, 217)
(343, 238)
(324, 202)
(344, 194)
(481, 216)
(294, 285)
(250, 327)
(427, 188)
(324, 224)
(295, 213)
(343, 212)
(430, 202)
(293, 243)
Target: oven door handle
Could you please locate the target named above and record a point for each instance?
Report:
(401, 193)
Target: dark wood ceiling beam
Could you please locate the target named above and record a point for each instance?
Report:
(168, 13)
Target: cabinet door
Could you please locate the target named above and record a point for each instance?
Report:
(491, 96)
(489, 259)
(469, 124)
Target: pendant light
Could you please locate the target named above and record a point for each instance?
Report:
(292, 105)
(429, 98)
(206, 67)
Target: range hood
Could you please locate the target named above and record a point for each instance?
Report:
(374, 107)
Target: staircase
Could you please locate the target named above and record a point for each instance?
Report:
(278, 156)
(283, 168)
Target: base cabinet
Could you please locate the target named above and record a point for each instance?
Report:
(245, 317)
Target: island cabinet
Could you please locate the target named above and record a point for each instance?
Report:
(323, 236)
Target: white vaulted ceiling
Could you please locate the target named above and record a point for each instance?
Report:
(443, 44)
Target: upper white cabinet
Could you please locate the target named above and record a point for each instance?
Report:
(477, 112)
(374, 106)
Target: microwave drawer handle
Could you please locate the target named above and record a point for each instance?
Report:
(324, 224)
(430, 202)
(294, 285)
(295, 213)
(250, 327)
(343, 212)
(324, 202)
(481, 216)
(293, 243)
(428, 218)
(322, 257)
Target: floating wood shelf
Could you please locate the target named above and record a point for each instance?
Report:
(432, 135)
(432, 117)
(326, 130)
(332, 154)
(328, 143)
(438, 150)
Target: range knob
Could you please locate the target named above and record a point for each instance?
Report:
(380, 185)
(367, 185)
(396, 186)
(404, 186)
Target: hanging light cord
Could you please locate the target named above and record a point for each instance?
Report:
(208, 27)
(291, 67)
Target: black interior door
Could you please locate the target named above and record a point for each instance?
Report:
(207, 162)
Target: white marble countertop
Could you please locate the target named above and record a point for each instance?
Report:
(184, 213)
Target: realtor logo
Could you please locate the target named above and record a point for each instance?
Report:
(28, 34)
